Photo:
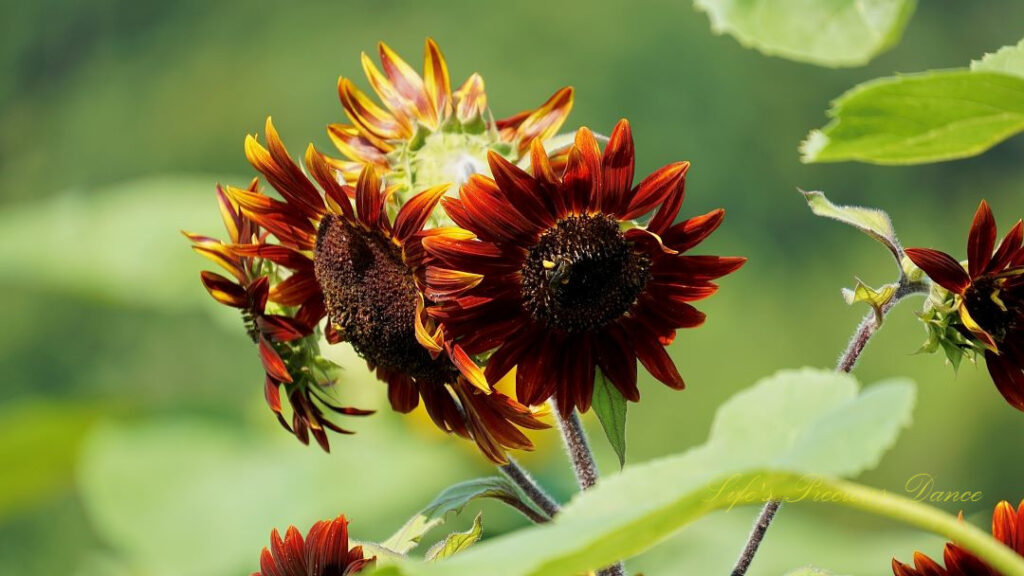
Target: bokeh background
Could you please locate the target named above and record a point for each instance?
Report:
(133, 435)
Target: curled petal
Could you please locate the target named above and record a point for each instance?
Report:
(656, 360)
(408, 83)
(377, 124)
(581, 183)
(335, 194)
(223, 290)
(295, 289)
(471, 100)
(351, 142)
(282, 328)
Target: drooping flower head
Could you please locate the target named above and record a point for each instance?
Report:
(1007, 527)
(364, 270)
(424, 134)
(288, 336)
(981, 308)
(325, 551)
(551, 273)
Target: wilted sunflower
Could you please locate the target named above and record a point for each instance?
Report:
(366, 271)
(552, 274)
(1007, 527)
(987, 298)
(425, 134)
(324, 552)
(287, 340)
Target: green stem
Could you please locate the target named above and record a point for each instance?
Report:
(994, 553)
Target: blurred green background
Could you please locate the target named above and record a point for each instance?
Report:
(135, 440)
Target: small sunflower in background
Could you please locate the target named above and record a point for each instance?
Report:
(281, 317)
(1007, 527)
(425, 134)
(325, 551)
(549, 272)
(978, 307)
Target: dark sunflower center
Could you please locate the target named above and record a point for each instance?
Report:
(582, 274)
(371, 297)
(996, 310)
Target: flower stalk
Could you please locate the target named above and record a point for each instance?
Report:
(867, 328)
(517, 474)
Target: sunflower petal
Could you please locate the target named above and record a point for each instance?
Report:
(272, 363)
(617, 166)
(544, 122)
(941, 268)
(981, 241)
(436, 81)
(471, 100)
(654, 189)
(415, 212)
(223, 290)
(408, 83)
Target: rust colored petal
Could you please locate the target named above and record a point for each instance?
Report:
(941, 268)
(617, 166)
(654, 189)
(981, 241)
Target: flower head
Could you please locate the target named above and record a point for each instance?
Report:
(551, 273)
(424, 134)
(981, 308)
(364, 270)
(287, 339)
(324, 552)
(1007, 527)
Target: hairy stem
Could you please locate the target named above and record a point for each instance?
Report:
(583, 464)
(576, 445)
(867, 328)
(517, 474)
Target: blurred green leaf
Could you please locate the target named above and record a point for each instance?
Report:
(453, 499)
(919, 118)
(122, 244)
(1007, 60)
(810, 571)
(194, 496)
(833, 34)
(456, 542)
(39, 441)
(610, 406)
(809, 423)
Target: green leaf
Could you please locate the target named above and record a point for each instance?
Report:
(456, 542)
(42, 438)
(788, 433)
(928, 117)
(454, 499)
(1007, 60)
(610, 406)
(810, 571)
(121, 244)
(833, 34)
(871, 221)
(217, 489)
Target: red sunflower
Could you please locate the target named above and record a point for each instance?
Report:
(365, 270)
(1007, 527)
(287, 343)
(553, 276)
(324, 552)
(425, 134)
(988, 298)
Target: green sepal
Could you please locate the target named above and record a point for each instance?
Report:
(610, 407)
(456, 542)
